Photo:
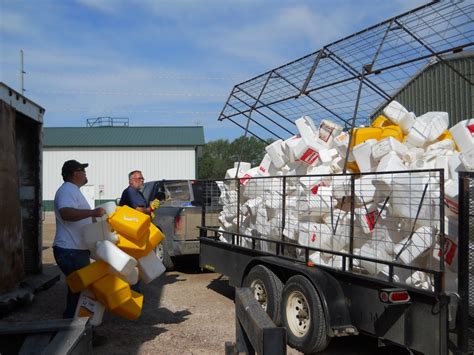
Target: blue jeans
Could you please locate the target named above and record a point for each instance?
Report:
(70, 260)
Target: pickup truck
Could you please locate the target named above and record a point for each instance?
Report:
(180, 214)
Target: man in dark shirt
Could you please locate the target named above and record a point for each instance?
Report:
(132, 195)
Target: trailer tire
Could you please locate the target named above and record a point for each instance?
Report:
(266, 287)
(303, 316)
(162, 253)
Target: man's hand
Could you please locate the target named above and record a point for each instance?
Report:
(98, 212)
(155, 204)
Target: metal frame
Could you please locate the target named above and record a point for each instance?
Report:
(350, 79)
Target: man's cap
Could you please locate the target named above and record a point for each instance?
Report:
(71, 166)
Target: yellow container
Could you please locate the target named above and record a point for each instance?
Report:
(131, 247)
(360, 135)
(352, 165)
(156, 236)
(381, 121)
(447, 135)
(82, 278)
(394, 131)
(112, 291)
(129, 222)
(132, 308)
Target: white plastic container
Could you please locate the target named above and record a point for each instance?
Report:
(364, 189)
(112, 255)
(407, 122)
(94, 232)
(307, 151)
(232, 173)
(337, 165)
(290, 145)
(451, 192)
(421, 240)
(251, 205)
(131, 278)
(306, 127)
(150, 267)
(367, 217)
(395, 111)
(88, 306)
(327, 155)
(391, 162)
(363, 156)
(462, 133)
(467, 159)
(368, 250)
(444, 144)
(321, 202)
(328, 130)
(276, 153)
(427, 128)
(413, 154)
(316, 235)
(109, 208)
(441, 162)
(387, 145)
(454, 165)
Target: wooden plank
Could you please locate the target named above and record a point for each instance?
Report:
(35, 343)
(47, 326)
(64, 341)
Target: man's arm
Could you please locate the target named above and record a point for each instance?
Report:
(74, 214)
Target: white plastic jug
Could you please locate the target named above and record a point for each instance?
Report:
(410, 248)
(462, 133)
(363, 156)
(328, 130)
(387, 145)
(112, 255)
(276, 153)
(395, 111)
(94, 232)
(150, 267)
(88, 306)
(306, 127)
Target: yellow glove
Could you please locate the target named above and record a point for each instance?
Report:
(155, 204)
(152, 216)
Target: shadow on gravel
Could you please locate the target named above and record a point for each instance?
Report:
(221, 286)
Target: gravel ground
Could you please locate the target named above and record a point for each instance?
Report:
(185, 312)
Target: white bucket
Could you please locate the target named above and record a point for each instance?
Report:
(395, 111)
(421, 240)
(363, 156)
(276, 153)
(462, 133)
(150, 267)
(112, 255)
(387, 145)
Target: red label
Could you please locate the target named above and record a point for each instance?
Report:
(313, 237)
(453, 206)
(370, 219)
(245, 179)
(261, 168)
(450, 249)
(314, 189)
(310, 156)
(471, 129)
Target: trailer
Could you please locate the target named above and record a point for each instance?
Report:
(416, 295)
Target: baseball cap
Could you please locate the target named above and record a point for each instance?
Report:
(71, 166)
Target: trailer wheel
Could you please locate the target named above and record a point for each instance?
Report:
(303, 316)
(164, 256)
(266, 287)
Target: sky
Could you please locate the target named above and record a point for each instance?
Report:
(163, 62)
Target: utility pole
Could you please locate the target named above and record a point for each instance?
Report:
(22, 73)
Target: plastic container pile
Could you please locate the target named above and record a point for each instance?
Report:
(390, 191)
(122, 244)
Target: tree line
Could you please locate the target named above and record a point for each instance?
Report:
(220, 155)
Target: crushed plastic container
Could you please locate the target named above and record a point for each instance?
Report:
(112, 255)
(387, 145)
(410, 248)
(94, 232)
(363, 156)
(462, 134)
(328, 130)
(84, 277)
(112, 291)
(276, 153)
(395, 111)
(150, 267)
(132, 308)
(89, 307)
(130, 223)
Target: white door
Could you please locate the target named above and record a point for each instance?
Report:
(89, 193)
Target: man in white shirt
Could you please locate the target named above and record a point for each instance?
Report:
(72, 212)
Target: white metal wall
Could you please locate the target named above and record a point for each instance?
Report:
(109, 167)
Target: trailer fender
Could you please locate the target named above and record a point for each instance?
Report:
(329, 290)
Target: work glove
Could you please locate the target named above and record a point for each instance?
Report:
(155, 204)
(152, 216)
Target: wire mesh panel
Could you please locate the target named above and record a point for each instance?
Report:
(383, 225)
(379, 61)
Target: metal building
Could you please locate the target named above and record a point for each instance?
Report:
(442, 85)
(112, 152)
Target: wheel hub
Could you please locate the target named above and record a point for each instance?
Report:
(297, 313)
(259, 293)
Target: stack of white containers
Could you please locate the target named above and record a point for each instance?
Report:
(397, 214)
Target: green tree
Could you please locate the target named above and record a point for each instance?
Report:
(220, 155)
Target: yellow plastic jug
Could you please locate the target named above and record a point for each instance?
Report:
(112, 291)
(82, 278)
(132, 248)
(129, 222)
(360, 135)
(394, 131)
(156, 236)
(381, 121)
(132, 308)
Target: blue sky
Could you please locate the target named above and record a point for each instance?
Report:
(163, 62)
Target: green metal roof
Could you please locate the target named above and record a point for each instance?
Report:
(122, 136)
